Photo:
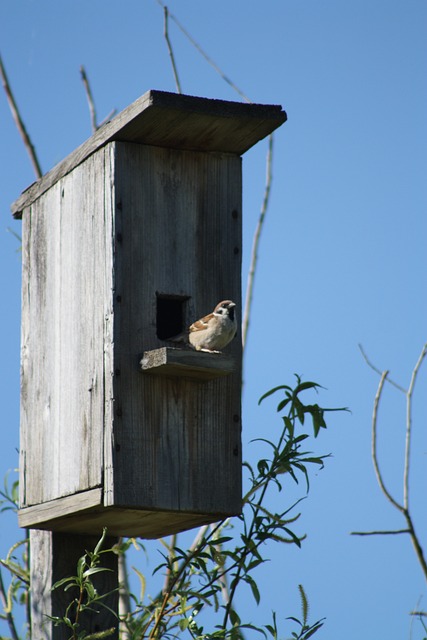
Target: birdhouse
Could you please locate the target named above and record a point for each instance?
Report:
(126, 242)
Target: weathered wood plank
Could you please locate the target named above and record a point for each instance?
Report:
(72, 515)
(65, 302)
(176, 441)
(171, 120)
(60, 507)
(168, 361)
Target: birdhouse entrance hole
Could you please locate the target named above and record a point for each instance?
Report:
(170, 315)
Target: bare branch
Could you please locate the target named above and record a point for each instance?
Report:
(204, 54)
(379, 533)
(416, 543)
(108, 118)
(170, 50)
(404, 509)
(222, 578)
(409, 427)
(168, 574)
(89, 97)
(369, 363)
(19, 123)
(374, 445)
(256, 240)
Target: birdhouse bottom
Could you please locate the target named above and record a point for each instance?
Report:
(83, 514)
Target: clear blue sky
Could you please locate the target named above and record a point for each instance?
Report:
(342, 257)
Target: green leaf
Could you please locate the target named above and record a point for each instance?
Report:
(183, 623)
(270, 393)
(312, 630)
(283, 404)
(303, 386)
(254, 588)
(100, 542)
(272, 628)
(59, 583)
(92, 570)
(235, 620)
(294, 537)
(81, 563)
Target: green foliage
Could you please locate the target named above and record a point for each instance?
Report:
(202, 584)
(9, 496)
(297, 408)
(87, 597)
(15, 563)
(305, 631)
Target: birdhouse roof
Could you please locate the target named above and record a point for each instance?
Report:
(171, 120)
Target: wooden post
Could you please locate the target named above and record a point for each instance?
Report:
(54, 556)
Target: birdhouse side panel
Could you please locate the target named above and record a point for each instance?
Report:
(65, 302)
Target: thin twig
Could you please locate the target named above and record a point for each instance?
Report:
(255, 242)
(159, 612)
(170, 50)
(416, 543)
(204, 54)
(171, 557)
(222, 579)
(108, 117)
(379, 533)
(409, 427)
(89, 97)
(374, 445)
(374, 368)
(19, 123)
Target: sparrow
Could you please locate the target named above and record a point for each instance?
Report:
(213, 332)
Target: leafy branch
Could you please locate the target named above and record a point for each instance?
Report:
(87, 597)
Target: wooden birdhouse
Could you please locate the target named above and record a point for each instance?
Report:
(125, 243)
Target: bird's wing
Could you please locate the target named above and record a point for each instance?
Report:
(201, 324)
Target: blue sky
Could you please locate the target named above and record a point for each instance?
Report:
(342, 256)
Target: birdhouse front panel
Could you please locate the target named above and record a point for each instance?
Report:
(175, 438)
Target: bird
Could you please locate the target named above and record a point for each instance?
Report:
(215, 331)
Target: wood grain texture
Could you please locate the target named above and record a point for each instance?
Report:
(119, 521)
(186, 363)
(61, 508)
(64, 307)
(176, 441)
(171, 120)
(54, 556)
